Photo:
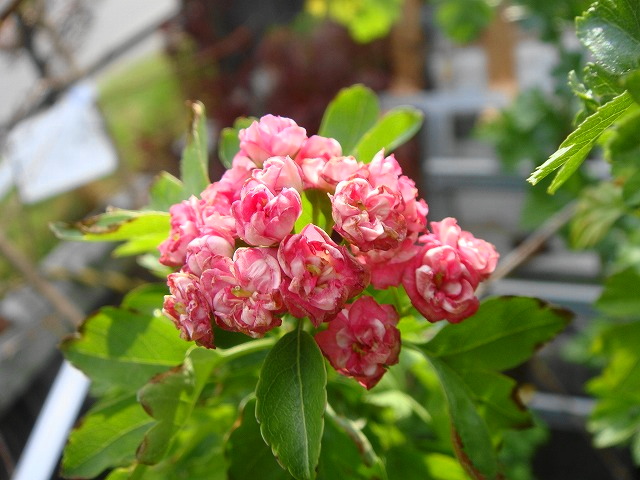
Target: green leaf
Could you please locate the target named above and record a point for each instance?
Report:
(597, 211)
(107, 437)
(619, 298)
(248, 455)
(632, 83)
(291, 398)
(122, 349)
(622, 147)
(115, 225)
(579, 143)
(349, 116)
(194, 164)
(166, 190)
(504, 332)
(463, 20)
(229, 143)
(140, 245)
(316, 209)
(471, 439)
(631, 190)
(170, 398)
(391, 131)
(368, 20)
(146, 299)
(610, 29)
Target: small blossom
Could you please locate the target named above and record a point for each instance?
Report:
(313, 156)
(362, 340)
(185, 220)
(278, 173)
(368, 217)
(319, 276)
(202, 250)
(188, 308)
(440, 286)
(387, 267)
(243, 292)
(338, 169)
(264, 218)
(270, 137)
(230, 184)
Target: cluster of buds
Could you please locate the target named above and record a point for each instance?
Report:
(242, 265)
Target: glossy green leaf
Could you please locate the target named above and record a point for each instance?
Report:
(194, 164)
(122, 349)
(229, 143)
(170, 398)
(166, 190)
(291, 398)
(597, 211)
(146, 299)
(391, 131)
(349, 116)
(140, 245)
(316, 209)
(619, 298)
(471, 439)
(504, 332)
(115, 225)
(610, 29)
(107, 437)
(579, 143)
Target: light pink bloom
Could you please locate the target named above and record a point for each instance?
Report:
(478, 255)
(264, 218)
(201, 251)
(368, 217)
(270, 137)
(243, 292)
(439, 284)
(278, 173)
(362, 341)
(338, 169)
(231, 182)
(188, 308)
(319, 276)
(185, 220)
(387, 267)
(312, 157)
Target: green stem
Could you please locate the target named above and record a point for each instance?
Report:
(248, 348)
(138, 472)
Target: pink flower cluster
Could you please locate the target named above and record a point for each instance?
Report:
(243, 264)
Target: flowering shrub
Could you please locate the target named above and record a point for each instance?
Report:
(325, 228)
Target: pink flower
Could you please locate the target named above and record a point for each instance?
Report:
(478, 255)
(439, 284)
(338, 169)
(362, 340)
(368, 217)
(188, 308)
(185, 217)
(312, 157)
(230, 184)
(278, 173)
(387, 267)
(243, 292)
(264, 218)
(270, 137)
(202, 250)
(319, 276)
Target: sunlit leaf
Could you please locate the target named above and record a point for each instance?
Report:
(194, 164)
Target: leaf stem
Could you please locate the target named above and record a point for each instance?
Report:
(247, 348)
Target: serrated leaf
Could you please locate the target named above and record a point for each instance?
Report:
(471, 439)
(165, 191)
(229, 143)
(122, 349)
(194, 163)
(388, 133)
(610, 29)
(170, 398)
(602, 82)
(107, 437)
(504, 332)
(349, 116)
(632, 83)
(291, 397)
(597, 210)
(115, 225)
(579, 143)
(616, 299)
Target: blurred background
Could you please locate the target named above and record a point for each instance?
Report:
(93, 104)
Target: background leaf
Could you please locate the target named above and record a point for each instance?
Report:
(349, 116)
(391, 131)
(229, 143)
(194, 164)
(291, 398)
(166, 190)
(615, 300)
